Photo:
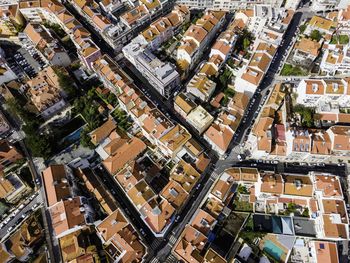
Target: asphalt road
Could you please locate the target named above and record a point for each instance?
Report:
(15, 221)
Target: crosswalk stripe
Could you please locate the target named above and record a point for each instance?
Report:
(172, 239)
(154, 260)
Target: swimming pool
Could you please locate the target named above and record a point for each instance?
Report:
(273, 250)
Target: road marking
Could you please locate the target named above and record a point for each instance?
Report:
(172, 239)
(171, 259)
(155, 260)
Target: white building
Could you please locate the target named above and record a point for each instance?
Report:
(162, 76)
(200, 119)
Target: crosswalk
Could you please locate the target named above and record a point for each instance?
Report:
(172, 240)
(214, 175)
(155, 244)
(155, 260)
(171, 259)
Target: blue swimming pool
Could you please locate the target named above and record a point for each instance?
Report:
(273, 250)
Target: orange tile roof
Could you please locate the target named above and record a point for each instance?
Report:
(203, 222)
(298, 185)
(220, 135)
(329, 185)
(333, 230)
(124, 154)
(102, 132)
(272, 183)
(326, 252)
(252, 76)
(55, 184)
(157, 214)
(308, 46)
(341, 141)
(174, 193)
(66, 215)
(189, 246)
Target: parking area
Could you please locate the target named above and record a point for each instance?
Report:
(24, 61)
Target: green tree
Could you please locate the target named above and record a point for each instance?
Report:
(66, 82)
(85, 139)
(302, 28)
(316, 35)
(306, 114)
(306, 212)
(246, 43)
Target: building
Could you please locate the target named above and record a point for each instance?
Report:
(201, 87)
(183, 104)
(5, 127)
(197, 37)
(335, 59)
(118, 150)
(8, 154)
(219, 137)
(50, 47)
(77, 246)
(306, 51)
(94, 186)
(56, 183)
(312, 92)
(161, 75)
(200, 119)
(22, 243)
(69, 215)
(6, 74)
(121, 241)
(45, 93)
(250, 76)
(324, 5)
(12, 188)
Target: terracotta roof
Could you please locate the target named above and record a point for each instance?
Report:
(140, 194)
(326, 251)
(329, 185)
(260, 61)
(333, 230)
(272, 183)
(125, 153)
(175, 138)
(184, 174)
(157, 214)
(189, 246)
(112, 225)
(66, 215)
(308, 46)
(203, 222)
(102, 132)
(314, 87)
(298, 185)
(322, 23)
(341, 139)
(174, 193)
(252, 76)
(122, 238)
(219, 135)
(56, 184)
